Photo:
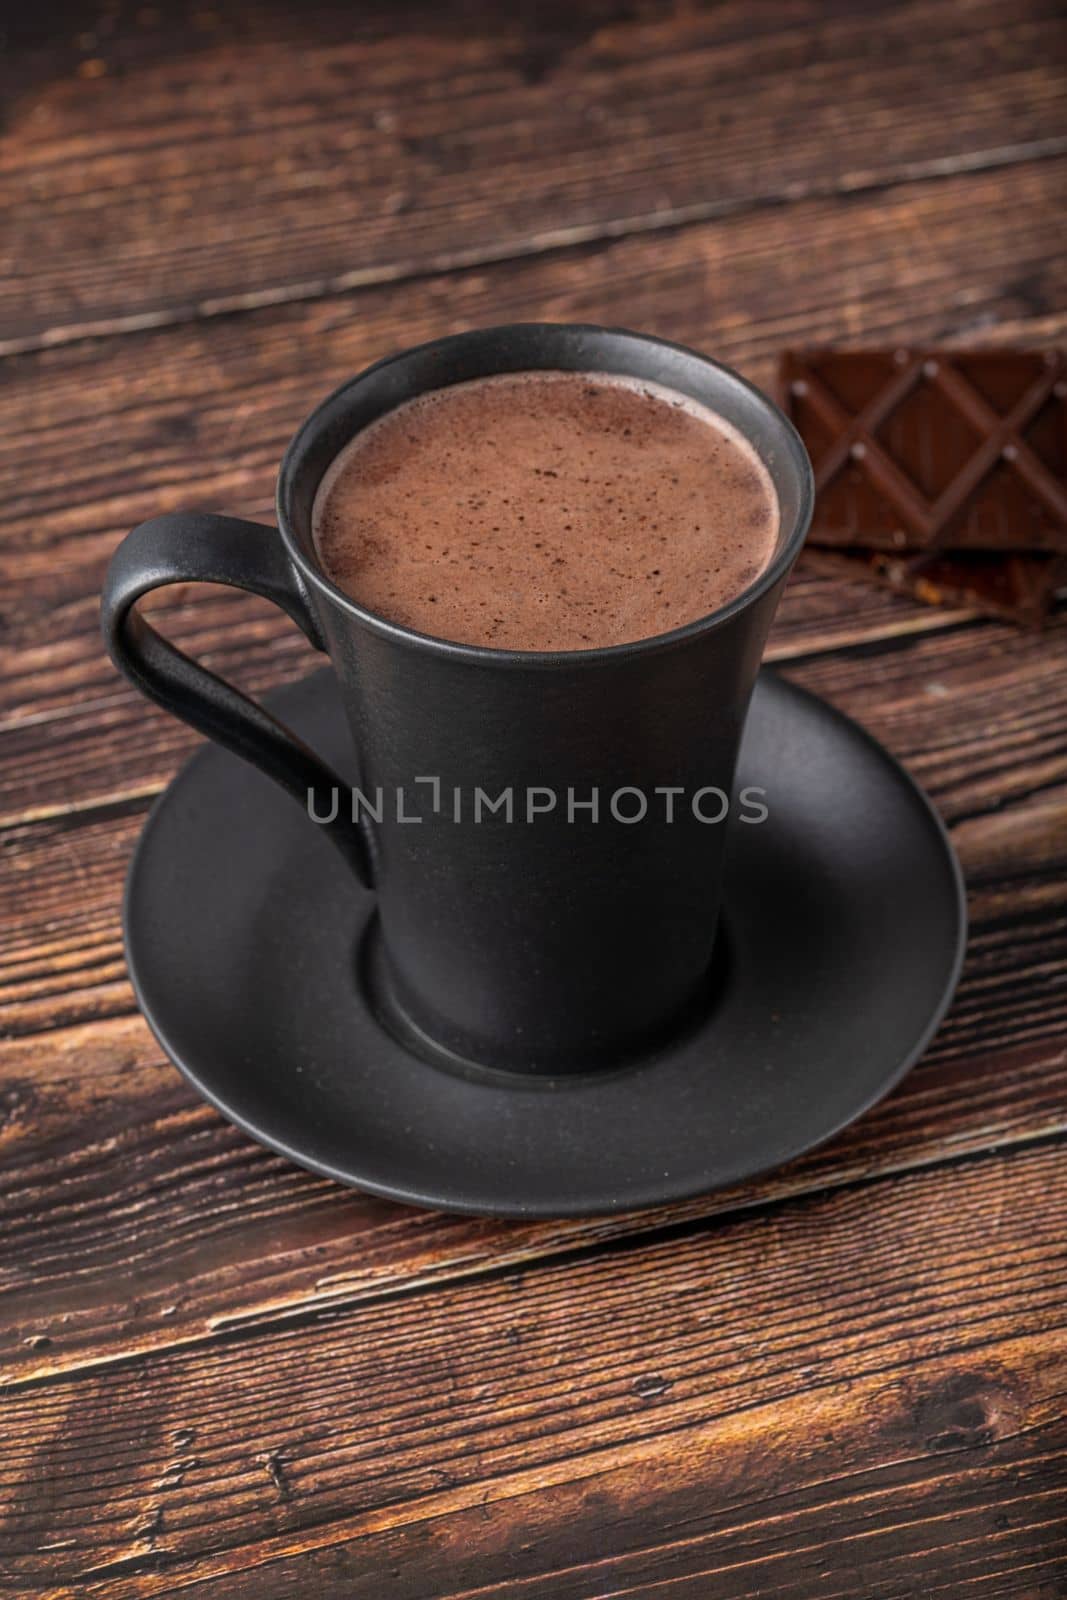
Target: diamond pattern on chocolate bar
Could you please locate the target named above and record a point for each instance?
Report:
(906, 436)
(918, 451)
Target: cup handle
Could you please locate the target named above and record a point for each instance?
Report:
(187, 547)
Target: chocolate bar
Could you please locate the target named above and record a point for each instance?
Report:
(939, 473)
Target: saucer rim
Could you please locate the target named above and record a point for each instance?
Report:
(651, 1195)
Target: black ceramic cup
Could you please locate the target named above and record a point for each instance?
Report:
(549, 935)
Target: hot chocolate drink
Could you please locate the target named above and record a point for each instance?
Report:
(546, 510)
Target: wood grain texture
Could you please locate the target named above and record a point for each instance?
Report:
(868, 1345)
(162, 163)
(671, 1517)
(657, 1527)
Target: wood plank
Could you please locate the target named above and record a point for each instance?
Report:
(199, 416)
(173, 162)
(759, 1348)
(970, 1510)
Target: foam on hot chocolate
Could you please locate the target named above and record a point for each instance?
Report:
(546, 511)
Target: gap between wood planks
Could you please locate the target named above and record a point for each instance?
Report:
(236, 1328)
(548, 242)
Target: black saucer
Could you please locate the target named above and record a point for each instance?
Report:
(844, 932)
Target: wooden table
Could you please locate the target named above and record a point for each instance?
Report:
(227, 1378)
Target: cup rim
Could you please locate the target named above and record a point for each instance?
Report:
(492, 655)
